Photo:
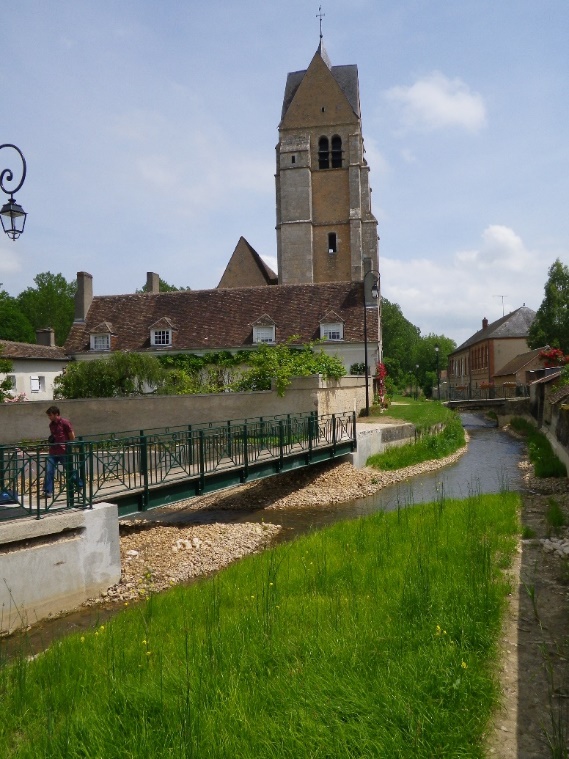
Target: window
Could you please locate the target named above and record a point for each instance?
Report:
(37, 384)
(263, 334)
(161, 337)
(12, 380)
(332, 242)
(293, 159)
(323, 153)
(336, 152)
(332, 331)
(101, 342)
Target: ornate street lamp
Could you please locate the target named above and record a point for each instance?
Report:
(375, 296)
(12, 215)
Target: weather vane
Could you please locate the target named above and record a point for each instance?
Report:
(320, 15)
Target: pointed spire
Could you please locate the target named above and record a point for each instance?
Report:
(324, 55)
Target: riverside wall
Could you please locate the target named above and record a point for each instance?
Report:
(28, 421)
(53, 565)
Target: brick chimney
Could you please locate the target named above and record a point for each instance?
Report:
(485, 323)
(45, 337)
(152, 282)
(83, 296)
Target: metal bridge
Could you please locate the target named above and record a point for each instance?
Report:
(150, 468)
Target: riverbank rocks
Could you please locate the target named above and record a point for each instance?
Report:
(557, 546)
(155, 556)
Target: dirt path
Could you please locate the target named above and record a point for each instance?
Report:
(534, 668)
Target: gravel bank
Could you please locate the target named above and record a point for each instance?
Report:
(156, 555)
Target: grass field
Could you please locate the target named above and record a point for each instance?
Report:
(372, 638)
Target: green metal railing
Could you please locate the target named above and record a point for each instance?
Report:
(155, 467)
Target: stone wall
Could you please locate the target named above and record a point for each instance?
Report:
(28, 421)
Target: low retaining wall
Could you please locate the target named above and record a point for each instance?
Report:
(90, 416)
(376, 438)
(52, 565)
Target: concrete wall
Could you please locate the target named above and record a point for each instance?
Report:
(378, 438)
(28, 421)
(52, 565)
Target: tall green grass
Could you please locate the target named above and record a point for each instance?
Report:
(428, 447)
(540, 452)
(423, 414)
(372, 638)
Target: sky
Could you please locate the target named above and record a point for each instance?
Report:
(149, 132)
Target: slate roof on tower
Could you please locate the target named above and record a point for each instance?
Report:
(345, 76)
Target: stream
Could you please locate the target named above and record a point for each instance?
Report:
(489, 465)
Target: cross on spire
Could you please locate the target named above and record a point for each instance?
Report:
(320, 16)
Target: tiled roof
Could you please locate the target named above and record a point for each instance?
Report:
(559, 394)
(223, 318)
(518, 362)
(10, 349)
(515, 324)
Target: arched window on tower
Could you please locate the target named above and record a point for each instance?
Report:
(323, 153)
(336, 152)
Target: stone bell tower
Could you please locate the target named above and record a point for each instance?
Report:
(326, 231)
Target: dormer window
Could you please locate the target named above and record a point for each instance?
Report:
(100, 337)
(264, 335)
(162, 333)
(332, 331)
(264, 330)
(331, 327)
(161, 337)
(101, 342)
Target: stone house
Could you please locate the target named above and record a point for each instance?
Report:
(34, 367)
(518, 373)
(233, 319)
(473, 365)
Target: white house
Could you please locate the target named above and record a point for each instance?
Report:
(34, 367)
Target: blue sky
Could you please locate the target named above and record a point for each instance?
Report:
(149, 131)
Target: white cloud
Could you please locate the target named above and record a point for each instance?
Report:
(452, 297)
(437, 102)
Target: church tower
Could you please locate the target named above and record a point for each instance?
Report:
(326, 231)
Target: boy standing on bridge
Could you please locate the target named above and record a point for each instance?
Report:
(61, 432)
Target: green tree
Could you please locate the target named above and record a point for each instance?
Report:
(551, 324)
(14, 325)
(50, 304)
(283, 362)
(121, 374)
(164, 287)
(426, 357)
(400, 342)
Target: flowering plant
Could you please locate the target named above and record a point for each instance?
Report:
(553, 357)
(19, 398)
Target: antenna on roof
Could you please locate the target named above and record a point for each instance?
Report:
(320, 15)
(501, 296)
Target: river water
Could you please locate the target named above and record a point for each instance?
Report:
(489, 465)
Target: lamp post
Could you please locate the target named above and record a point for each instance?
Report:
(438, 374)
(416, 382)
(12, 215)
(375, 296)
